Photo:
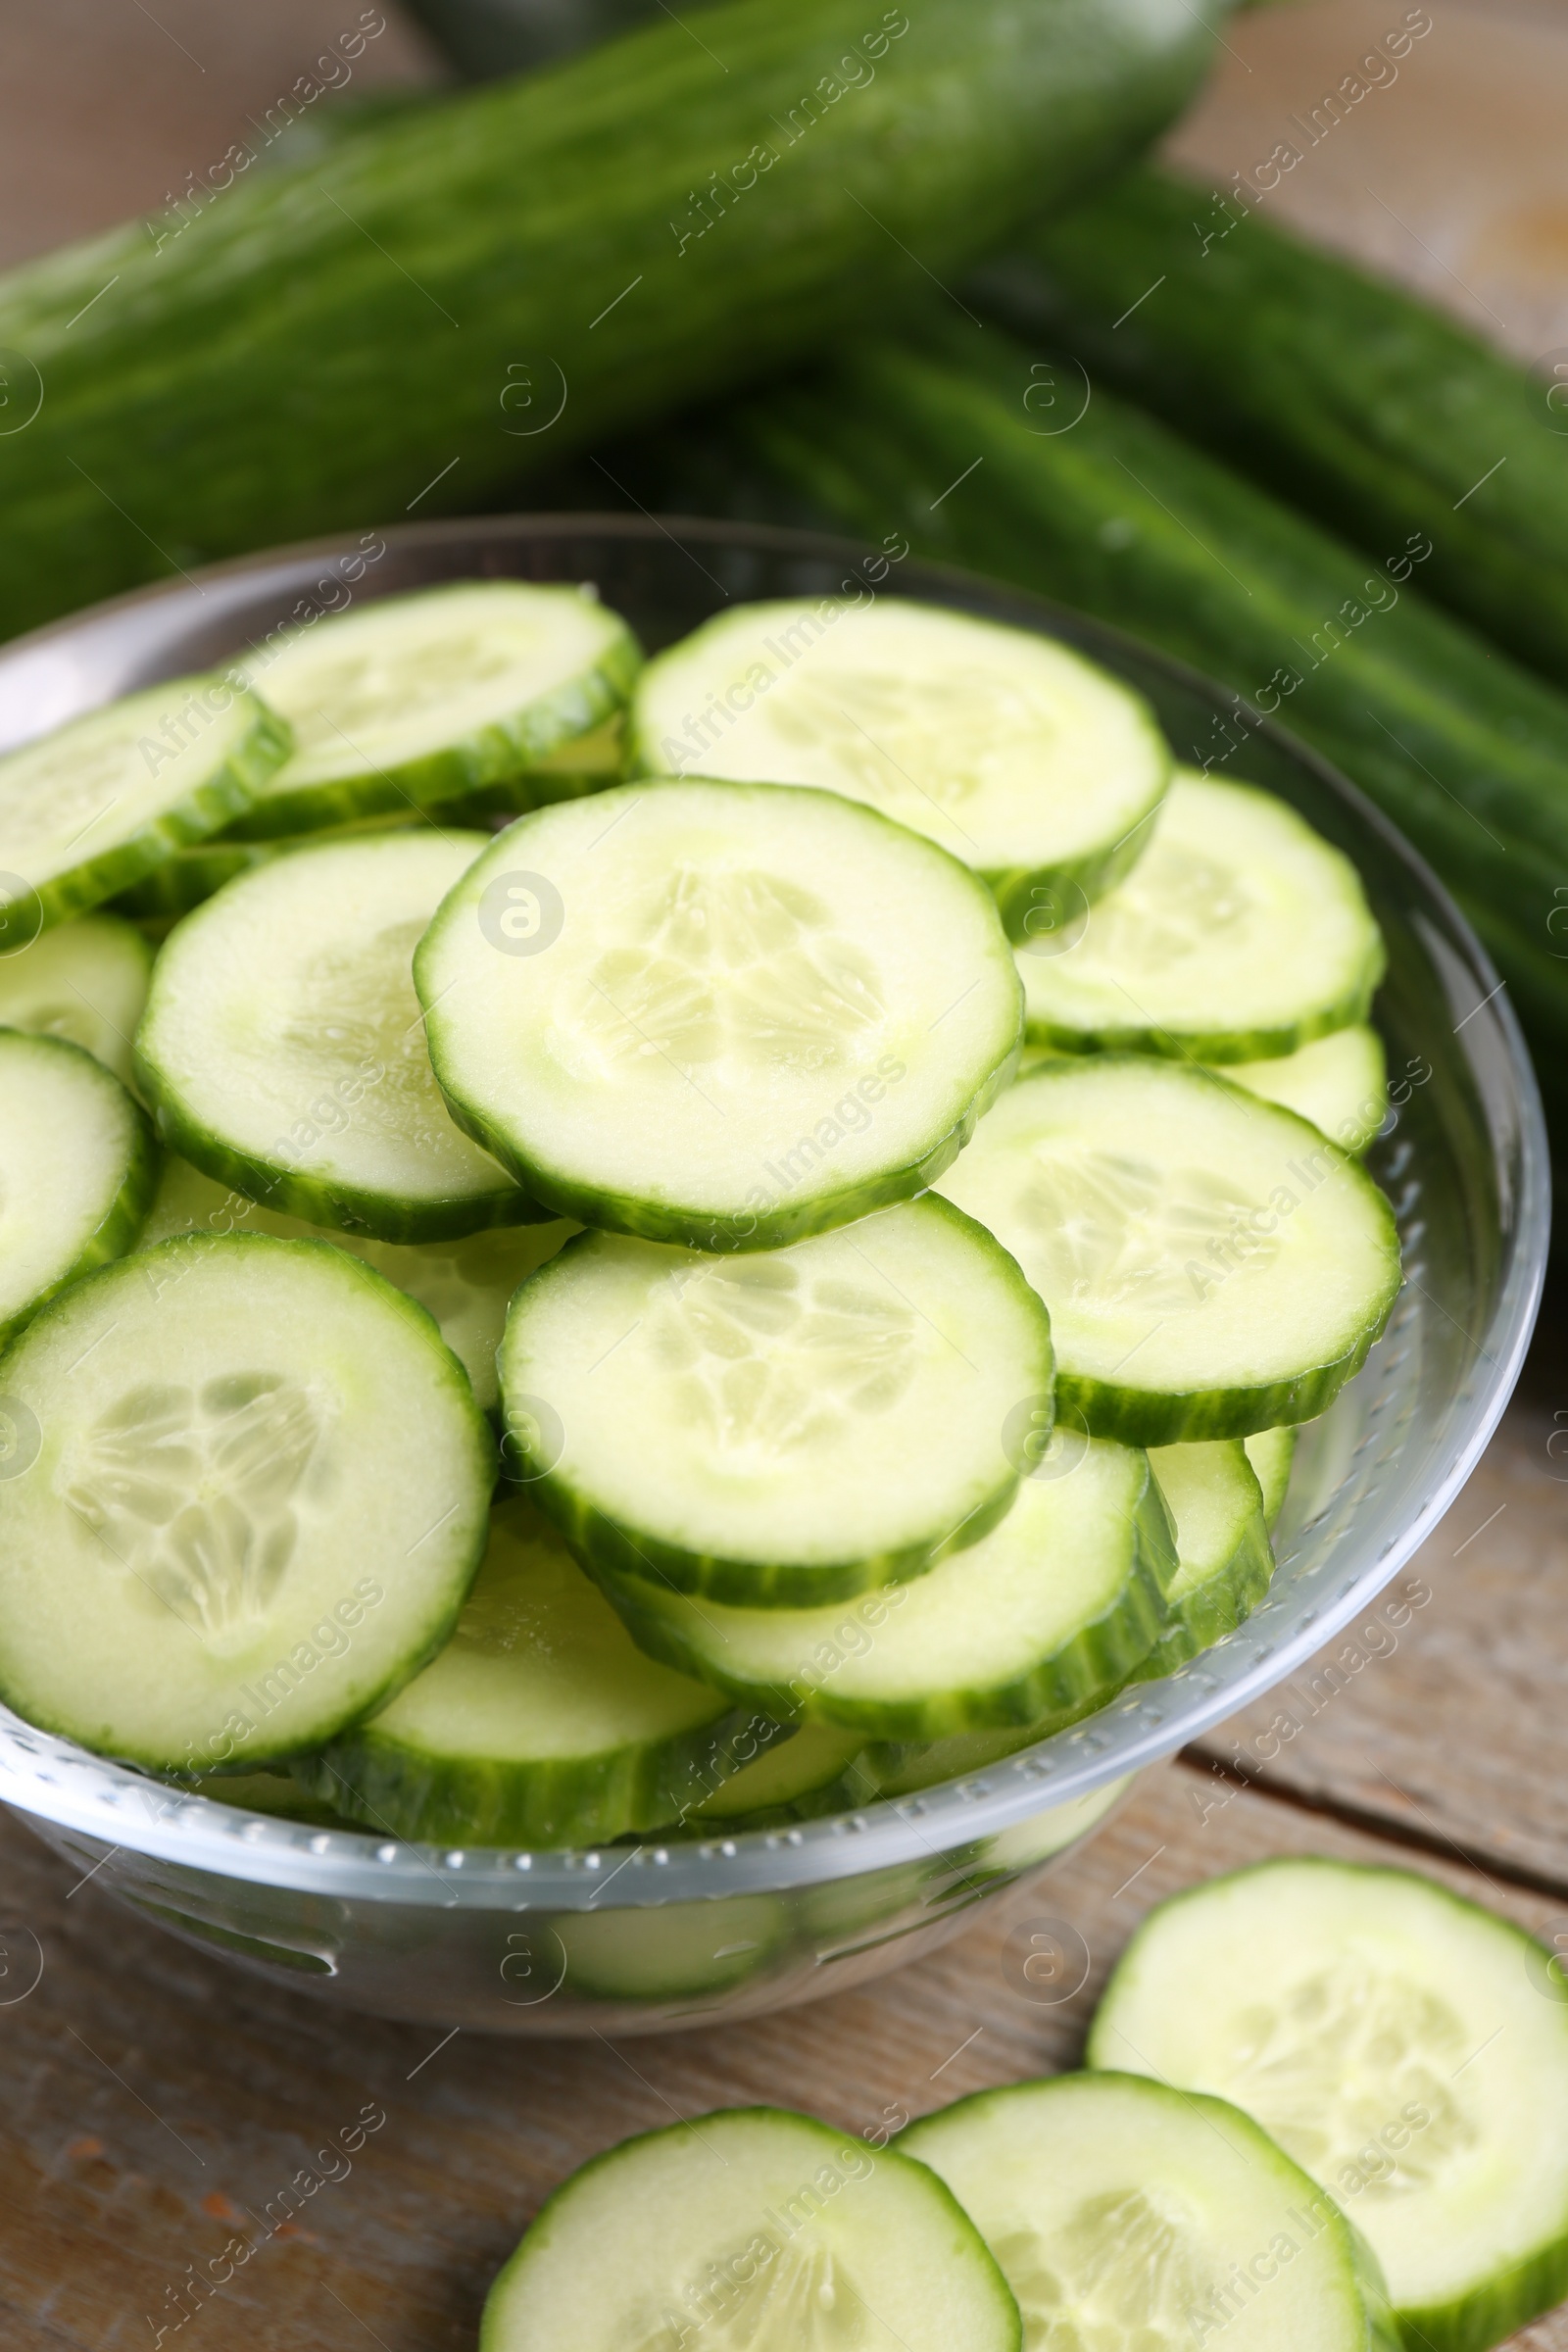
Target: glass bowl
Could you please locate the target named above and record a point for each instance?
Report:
(648, 1936)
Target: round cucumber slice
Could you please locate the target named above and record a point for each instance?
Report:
(1240, 934)
(1271, 1452)
(713, 1013)
(1127, 2216)
(1038, 1622)
(103, 800)
(793, 1779)
(1406, 2048)
(1340, 1083)
(284, 1047)
(191, 875)
(778, 1429)
(77, 1167)
(256, 1500)
(540, 1723)
(85, 981)
(466, 1285)
(1224, 1558)
(751, 2227)
(1010, 750)
(416, 699)
(1211, 1263)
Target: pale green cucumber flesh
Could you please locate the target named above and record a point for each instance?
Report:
(708, 1012)
(1225, 1561)
(798, 2236)
(256, 1500)
(682, 1954)
(412, 701)
(1240, 935)
(284, 1045)
(792, 1780)
(85, 981)
(1212, 1264)
(1339, 1082)
(466, 1285)
(777, 1429)
(1044, 1617)
(539, 1723)
(1008, 750)
(1271, 1452)
(77, 1169)
(1125, 2214)
(1404, 2045)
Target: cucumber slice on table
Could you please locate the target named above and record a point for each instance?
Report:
(1406, 2048)
(540, 1723)
(256, 1500)
(1271, 1452)
(1339, 1082)
(77, 1169)
(793, 1779)
(1132, 2218)
(724, 1015)
(753, 2227)
(1225, 1561)
(103, 800)
(1240, 934)
(466, 1285)
(85, 981)
(781, 1429)
(413, 699)
(1212, 1264)
(284, 1045)
(1009, 750)
(1037, 1623)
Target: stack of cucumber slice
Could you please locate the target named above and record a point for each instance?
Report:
(597, 1087)
(1325, 2111)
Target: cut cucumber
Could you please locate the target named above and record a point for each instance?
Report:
(752, 2228)
(103, 800)
(538, 1724)
(793, 1779)
(1131, 2217)
(1008, 750)
(1340, 1083)
(715, 1013)
(776, 1430)
(466, 1285)
(1271, 1452)
(1225, 1561)
(77, 1169)
(192, 875)
(284, 1045)
(258, 1500)
(85, 981)
(1211, 1263)
(586, 763)
(413, 699)
(680, 1955)
(1406, 2048)
(1037, 1623)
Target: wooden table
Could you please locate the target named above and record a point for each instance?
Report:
(152, 2098)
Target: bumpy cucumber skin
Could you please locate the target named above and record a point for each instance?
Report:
(500, 752)
(192, 875)
(1215, 1607)
(1221, 1045)
(126, 1213)
(1138, 1417)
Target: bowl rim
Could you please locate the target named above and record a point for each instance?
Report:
(53, 1780)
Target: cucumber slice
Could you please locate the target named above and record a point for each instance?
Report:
(1340, 1083)
(538, 1724)
(1225, 1561)
(466, 1285)
(258, 1500)
(1129, 2217)
(753, 2227)
(1241, 935)
(192, 875)
(1008, 750)
(586, 763)
(416, 699)
(711, 1013)
(85, 981)
(776, 1430)
(284, 1045)
(77, 1169)
(1211, 1263)
(103, 800)
(681, 1953)
(1037, 1623)
(793, 1779)
(1406, 2048)
(1271, 1452)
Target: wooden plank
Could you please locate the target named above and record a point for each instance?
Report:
(156, 2102)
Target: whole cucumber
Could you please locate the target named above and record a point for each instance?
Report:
(410, 320)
